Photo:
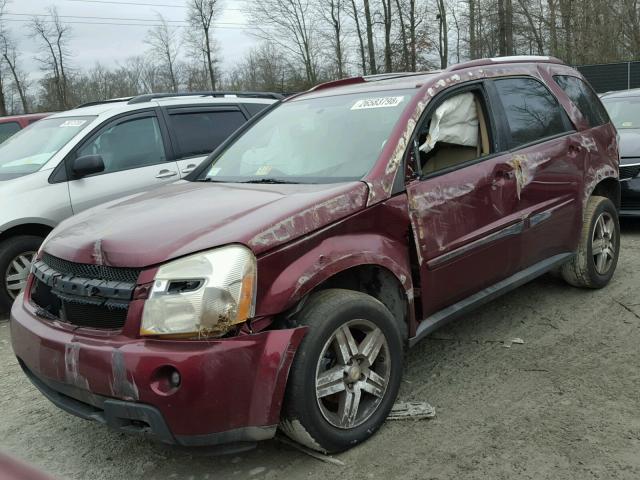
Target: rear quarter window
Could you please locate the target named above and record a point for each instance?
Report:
(199, 133)
(532, 113)
(583, 97)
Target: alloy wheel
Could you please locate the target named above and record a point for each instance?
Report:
(352, 374)
(15, 278)
(603, 243)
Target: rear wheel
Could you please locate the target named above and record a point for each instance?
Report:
(597, 255)
(16, 255)
(347, 371)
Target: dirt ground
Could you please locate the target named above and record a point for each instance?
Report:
(563, 405)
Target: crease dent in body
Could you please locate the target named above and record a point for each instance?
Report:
(72, 366)
(310, 219)
(524, 167)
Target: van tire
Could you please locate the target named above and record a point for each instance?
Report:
(10, 249)
(584, 270)
(314, 419)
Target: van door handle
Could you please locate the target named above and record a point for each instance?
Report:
(189, 168)
(166, 174)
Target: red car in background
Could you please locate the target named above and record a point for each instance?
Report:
(12, 124)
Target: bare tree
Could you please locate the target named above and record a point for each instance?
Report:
(291, 25)
(54, 36)
(443, 37)
(201, 15)
(370, 45)
(356, 19)
(331, 11)
(164, 46)
(10, 56)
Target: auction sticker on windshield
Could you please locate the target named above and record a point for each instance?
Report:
(73, 123)
(381, 102)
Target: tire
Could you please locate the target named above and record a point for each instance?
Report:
(317, 422)
(11, 249)
(588, 269)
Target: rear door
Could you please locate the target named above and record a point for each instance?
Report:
(197, 131)
(463, 207)
(133, 149)
(547, 158)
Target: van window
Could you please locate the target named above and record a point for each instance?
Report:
(583, 97)
(130, 144)
(532, 112)
(199, 133)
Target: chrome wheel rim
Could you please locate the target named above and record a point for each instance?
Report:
(603, 243)
(352, 374)
(15, 278)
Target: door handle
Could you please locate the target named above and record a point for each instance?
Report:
(166, 174)
(189, 168)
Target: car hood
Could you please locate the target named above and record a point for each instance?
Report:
(187, 217)
(629, 143)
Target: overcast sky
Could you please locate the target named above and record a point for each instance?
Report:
(109, 43)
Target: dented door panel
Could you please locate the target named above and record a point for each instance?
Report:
(548, 177)
(466, 229)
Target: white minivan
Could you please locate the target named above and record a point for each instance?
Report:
(98, 152)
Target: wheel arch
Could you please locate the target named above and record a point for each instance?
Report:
(376, 281)
(609, 188)
(37, 228)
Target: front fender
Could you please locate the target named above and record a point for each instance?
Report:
(376, 236)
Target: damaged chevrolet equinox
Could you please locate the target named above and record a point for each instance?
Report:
(278, 286)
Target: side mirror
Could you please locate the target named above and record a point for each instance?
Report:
(87, 165)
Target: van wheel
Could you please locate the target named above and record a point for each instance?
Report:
(16, 254)
(597, 255)
(346, 374)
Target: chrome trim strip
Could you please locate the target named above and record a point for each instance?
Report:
(515, 229)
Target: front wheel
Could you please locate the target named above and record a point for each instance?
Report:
(346, 374)
(597, 256)
(16, 255)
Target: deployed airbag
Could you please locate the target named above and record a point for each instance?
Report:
(454, 122)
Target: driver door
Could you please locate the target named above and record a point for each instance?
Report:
(133, 151)
(463, 206)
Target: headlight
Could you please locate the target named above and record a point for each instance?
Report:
(202, 295)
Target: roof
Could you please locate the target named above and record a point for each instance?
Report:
(406, 80)
(634, 92)
(145, 101)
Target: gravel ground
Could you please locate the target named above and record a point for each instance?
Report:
(563, 405)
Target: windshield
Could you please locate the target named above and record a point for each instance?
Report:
(624, 112)
(31, 148)
(318, 140)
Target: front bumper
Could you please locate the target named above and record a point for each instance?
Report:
(231, 390)
(630, 197)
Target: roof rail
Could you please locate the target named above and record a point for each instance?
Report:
(101, 102)
(154, 96)
(367, 78)
(498, 60)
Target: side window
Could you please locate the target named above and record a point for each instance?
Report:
(8, 129)
(583, 97)
(532, 112)
(130, 144)
(199, 133)
(456, 132)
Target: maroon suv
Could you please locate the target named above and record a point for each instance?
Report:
(279, 286)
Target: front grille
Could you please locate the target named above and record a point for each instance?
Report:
(97, 272)
(75, 293)
(629, 171)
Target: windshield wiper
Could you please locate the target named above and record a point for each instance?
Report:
(209, 179)
(269, 180)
